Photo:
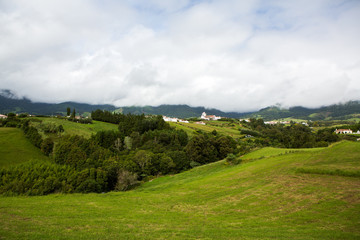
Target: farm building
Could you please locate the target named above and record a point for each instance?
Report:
(343, 131)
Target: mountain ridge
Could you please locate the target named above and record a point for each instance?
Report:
(10, 102)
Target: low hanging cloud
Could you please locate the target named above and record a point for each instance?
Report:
(231, 55)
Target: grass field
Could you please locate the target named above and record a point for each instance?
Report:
(84, 130)
(15, 148)
(210, 126)
(271, 151)
(263, 199)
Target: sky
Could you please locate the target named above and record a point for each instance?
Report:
(233, 55)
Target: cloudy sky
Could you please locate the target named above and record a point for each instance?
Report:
(234, 55)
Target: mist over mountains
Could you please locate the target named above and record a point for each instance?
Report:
(10, 102)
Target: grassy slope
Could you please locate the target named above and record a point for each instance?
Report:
(271, 151)
(265, 199)
(220, 127)
(85, 130)
(15, 148)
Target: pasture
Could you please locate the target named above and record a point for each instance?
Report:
(263, 199)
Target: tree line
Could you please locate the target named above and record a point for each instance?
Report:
(293, 136)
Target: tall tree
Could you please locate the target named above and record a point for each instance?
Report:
(68, 111)
(73, 114)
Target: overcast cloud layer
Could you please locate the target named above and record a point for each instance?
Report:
(227, 54)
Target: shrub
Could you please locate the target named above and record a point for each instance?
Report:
(47, 146)
(232, 159)
(126, 180)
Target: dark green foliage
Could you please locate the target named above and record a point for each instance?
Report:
(47, 146)
(180, 160)
(35, 178)
(206, 148)
(293, 136)
(131, 123)
(232, 159)
(33, 135)
(60, 129)
(106, 139)
(68, 111)
(327, 135)
(80, 153)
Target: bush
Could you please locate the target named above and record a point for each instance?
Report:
(232, 159)
(126, 180)
(47, 146)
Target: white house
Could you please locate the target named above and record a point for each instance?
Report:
(343, 131)
(3, 116)
(209, 117)
(183, 121)
(201, 123)
(169, 119)
(271, 123)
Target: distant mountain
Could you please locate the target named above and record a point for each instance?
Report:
(9, 102)
(344, 111)
(180, 111)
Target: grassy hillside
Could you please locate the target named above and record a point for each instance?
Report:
(15, 148)
(85, 130)
(263, 199)
(225, 128)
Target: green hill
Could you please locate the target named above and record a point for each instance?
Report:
(15, 148)
(276, 196)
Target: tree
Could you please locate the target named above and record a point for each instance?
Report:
(47, 146)
(73, 114)
(126, 180)
(68, 111)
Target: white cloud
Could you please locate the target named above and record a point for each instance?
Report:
(231, 55)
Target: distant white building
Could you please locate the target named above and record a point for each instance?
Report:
(170, 119)
(271, 123)
(209, 117)
(3, 116)
(201, 123)
(343, 131)
(183, 121)
(246, 120)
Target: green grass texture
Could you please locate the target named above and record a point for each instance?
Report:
(268, 198)
(85, 130)
(15, 148)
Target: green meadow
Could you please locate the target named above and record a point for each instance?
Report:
(15, 148)
(84, 130)
(269, 198)
(224, 128)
